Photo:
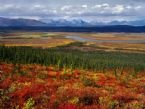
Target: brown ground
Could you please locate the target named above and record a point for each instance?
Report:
(35, 39)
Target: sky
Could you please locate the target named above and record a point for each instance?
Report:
(88, 10)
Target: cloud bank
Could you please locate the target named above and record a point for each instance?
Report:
(91, 10)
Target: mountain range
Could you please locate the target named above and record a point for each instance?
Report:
(63, 22)
(20, 22)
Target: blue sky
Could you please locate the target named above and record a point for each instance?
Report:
(89, 10)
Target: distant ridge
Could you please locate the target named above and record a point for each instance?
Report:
(20, 22)
(115, 28)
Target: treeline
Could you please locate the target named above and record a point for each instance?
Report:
(104, 29)
(61, 57)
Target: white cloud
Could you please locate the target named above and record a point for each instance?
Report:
(118, 9)
(26, 17)
(138, 7)
(66, 7)
(96, 6)
(105, 5)
(109, 9)
(37, 6)
(79, 12)
(84, 6)
(7, 6)
(66, 17)
(54, 11)
(129, 7)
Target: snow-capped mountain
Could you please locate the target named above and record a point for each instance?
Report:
(64, 22)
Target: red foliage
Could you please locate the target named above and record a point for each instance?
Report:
(0, 76)
(67, 106)
(34, 90)
(58, 74)
(25, 79)
(92, 107)
(29, 91)
(124, 97)
(141, 90)
(142, 81)
(58, 90)
(6, 69)
(76, 73)
(6, 83)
